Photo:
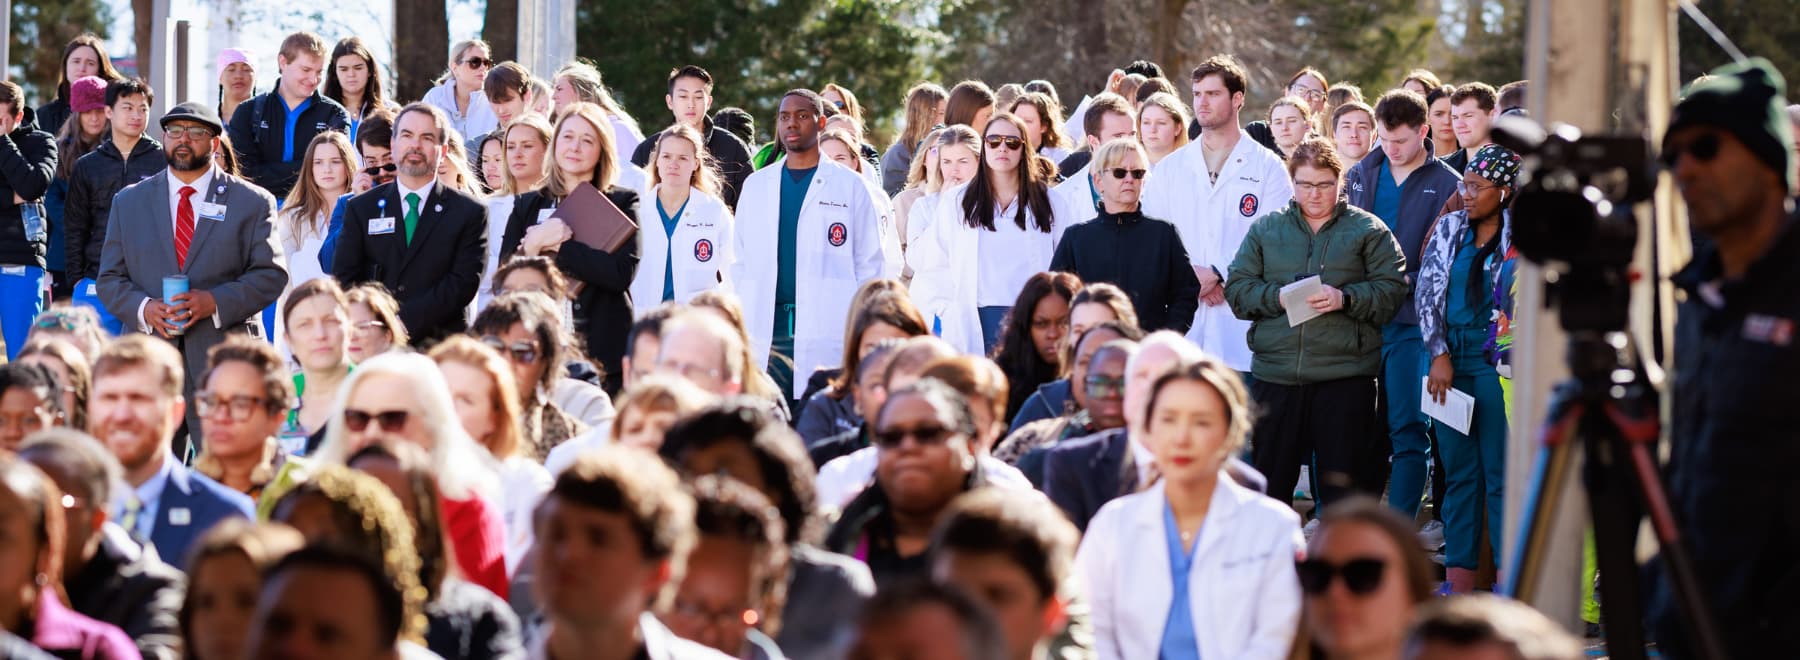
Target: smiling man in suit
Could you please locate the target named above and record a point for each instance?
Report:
(134, 408)
(197, 221)
(424, 241)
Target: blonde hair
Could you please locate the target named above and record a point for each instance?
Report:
(606, 168)
(1110, 154)
(456, 53)
(757, 384)
(589, 87)
(300, 42)
(706, 174)
(1295, 103)
(841, 137)
(464, 469)
(923, 170)
(921, 114)
(541, 129)
(851, 106)
(458, 156)
(659, 393)
(1176, 110)
(304, 212)
(508, 438)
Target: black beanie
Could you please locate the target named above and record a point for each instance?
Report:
(1744, 99)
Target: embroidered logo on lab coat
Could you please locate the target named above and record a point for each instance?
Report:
(703, 250)
(1247, 205)
(837, 234)
(1769, 329)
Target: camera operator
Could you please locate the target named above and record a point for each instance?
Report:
(1736, 435)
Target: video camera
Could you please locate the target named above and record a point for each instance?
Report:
(1573, 213)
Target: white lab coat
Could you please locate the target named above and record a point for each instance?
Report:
(1075, 123)
(947, 257)
(891, 255)
(837, 203)
(499, 209)
(702, 247)
(1242, 589)
(1076, 194)
(1213, 219)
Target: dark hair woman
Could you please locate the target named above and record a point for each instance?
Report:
(1031, 339)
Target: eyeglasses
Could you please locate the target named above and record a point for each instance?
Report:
(1103, 387)
(54, 321)
(1466, 188)
(369, 328)
(839, 104)
(1361, 576)
(1012, 143)
(720, 618)
(523, 352)
(924, 436)
(1121, 173)
(690, 371)
(1311, 187)
(1308, 94)
(241, 407)
(378, 169)
(1703, 148)
(391, 421)
(192, 133)
(477, 62)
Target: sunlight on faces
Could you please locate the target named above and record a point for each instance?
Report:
(525, 374)
(1317, 190)
(924, 476)
(130, 115)
(384, 393)
(525, 280)
(689, 98)
(513, 106)
(238, 78)
(130, 413)
(1087, 315)
(1310, 89)
(493, 163)
(470, 79)
(1159, 130)
(845, 123)
(23, 411)
(1470, 123)
(352, 73)
(1352, 134)
(229, 436)
(1289, 126)
(82, 62)
(1214, 105)
(1141, 376)
(676, 160)
(1108, 411)
(642, 360)
(300, 77)
(472, 392)
(690, 352)
(839, 153)
(798, 123)
(1112, 127)
(1049, 323)
(564, 93)
(871, 389)
(61, 370)
(1480, 196)
(982, 117)
(316, 331)
(577, 149)
(330, 171)
(93, 122)
(1002, 159)
(417, 144)
(878, 332)
(525, 153)
(1126, 191)
(1351, 625)
(366, 341)
(644, 428)
(1034, 125)
(19, 550)
(1025, 615)
(956, 164)
(223, 589)
(591, 571)
(1187, 431)
(1439, 118)
(1404, 145)
(714, 597)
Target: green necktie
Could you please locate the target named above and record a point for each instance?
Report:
(412, 216)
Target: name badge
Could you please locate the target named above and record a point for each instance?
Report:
(381, 226)
(93, 289)
(180, 517)
(210, 211)
(544, 215)
(12, 270)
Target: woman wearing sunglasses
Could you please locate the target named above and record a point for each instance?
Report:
(1195, 566)
(403, 398)
(989, 237)
(1363, 578)
(1121, 246)
(527, 329)
(1455, 303)
(458, 92)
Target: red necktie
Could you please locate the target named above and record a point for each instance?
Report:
(184, 226)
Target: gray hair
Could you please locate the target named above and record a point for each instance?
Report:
(1184, 350)
(464, 469)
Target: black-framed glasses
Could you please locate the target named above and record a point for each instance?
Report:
(391, 421)
(1314, 187)
(191, 133)
(1361, 576)
(378, 169)
(241, 407)
(1104, 387)
(1120, 173)
(924, 436)
(1703, 148)
(1010, 142)
(477, 62)
(522, 352)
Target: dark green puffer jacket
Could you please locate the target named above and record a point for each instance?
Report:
(1354, 252)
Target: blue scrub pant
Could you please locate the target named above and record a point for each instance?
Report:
(1402, 364)
(993, 321)
(23, 292)
(1474, 464)
(86, 293)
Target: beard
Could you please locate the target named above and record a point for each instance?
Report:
(185, 159)
(420, 168)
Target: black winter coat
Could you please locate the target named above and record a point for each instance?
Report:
(602, 308)
(258, 135)
(1143, 256)
(98, 176)
(27, 163)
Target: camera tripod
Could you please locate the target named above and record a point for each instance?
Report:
(1607, 413)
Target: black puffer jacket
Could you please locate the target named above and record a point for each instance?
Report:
(98, 176)
(27, 163)
(258, 132)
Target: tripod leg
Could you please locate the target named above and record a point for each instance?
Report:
(1608, 476)
(1676, 562)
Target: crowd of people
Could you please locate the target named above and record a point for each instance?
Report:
(324, 375)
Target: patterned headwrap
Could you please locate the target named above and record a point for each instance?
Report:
(1497, 164)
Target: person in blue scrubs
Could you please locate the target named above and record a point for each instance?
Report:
(798, 129)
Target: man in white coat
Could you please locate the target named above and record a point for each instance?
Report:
(809, 234)
(1108, 117)
(1213, 189)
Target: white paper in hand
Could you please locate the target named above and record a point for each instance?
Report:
(1457, 410)
(1293, 299)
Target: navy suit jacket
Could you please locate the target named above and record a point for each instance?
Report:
(191, 504)
(1083, 474)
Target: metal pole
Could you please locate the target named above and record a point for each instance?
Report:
(6, 44)
(153, 64)
(181, 59)
(546, 34)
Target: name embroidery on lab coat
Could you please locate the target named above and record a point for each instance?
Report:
(703, 250)
(837, 234)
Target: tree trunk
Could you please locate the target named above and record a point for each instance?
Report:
(141, 11)
(1165, 39)
(1091, 43)
(421, 45)
(500, 28)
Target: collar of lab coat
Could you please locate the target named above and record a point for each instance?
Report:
(1228, 499)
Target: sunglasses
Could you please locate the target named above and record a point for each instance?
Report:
(478, 62)
(522, 352)
(391, 421)
(378, 169)
(1013, 143)
(1703, 148)
(924, 436)
(1361, 576)
(51, 322)
(1120, 173)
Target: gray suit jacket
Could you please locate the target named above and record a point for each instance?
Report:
(237, 259)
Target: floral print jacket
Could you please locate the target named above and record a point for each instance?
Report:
(1433, 292)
